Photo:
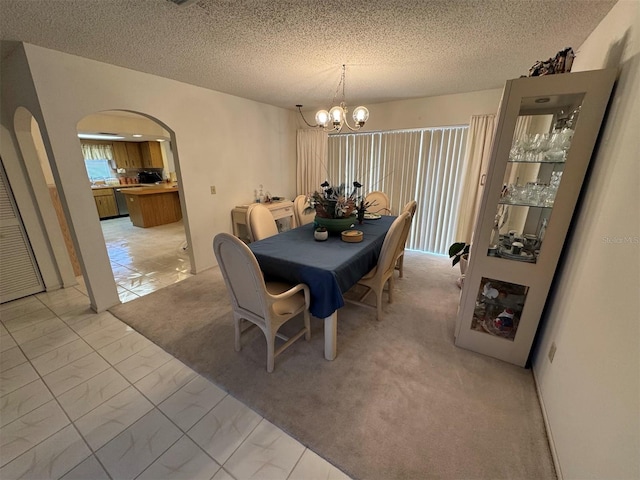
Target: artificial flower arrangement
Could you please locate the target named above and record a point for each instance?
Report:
(333, 202)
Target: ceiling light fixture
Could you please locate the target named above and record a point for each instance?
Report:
(99, 136)
(336, 118)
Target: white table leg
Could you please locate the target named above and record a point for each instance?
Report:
(331, 336)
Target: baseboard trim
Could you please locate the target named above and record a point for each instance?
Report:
(547, 427)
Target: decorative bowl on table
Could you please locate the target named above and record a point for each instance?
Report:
(335, 225)
(352, 236)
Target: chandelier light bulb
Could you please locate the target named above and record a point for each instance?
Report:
(337, 115)
(360, 116)
(323, 118)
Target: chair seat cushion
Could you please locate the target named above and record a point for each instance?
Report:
(288, 305)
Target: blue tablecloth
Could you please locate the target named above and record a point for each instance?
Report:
(329, 268)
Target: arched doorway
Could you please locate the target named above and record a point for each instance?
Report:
(122, 151)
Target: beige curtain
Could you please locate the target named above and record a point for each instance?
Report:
(92, 151)
(476, 161)
(311, 165)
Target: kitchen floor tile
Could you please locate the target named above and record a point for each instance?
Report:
(123, 348)
(23, 400)
(192, 402)
(90, 469)
(61, 356)
(37, 330)
(137, 447)
(42, 345)
(143, 363)
(224, 428)
(184, 460)
(29, 319)
(112, 417)
(165, 380)
(16, 377)
(11, 357)
(312, 466)
(50, 459)
(267, 452)
(30, 429)
(88, 395)
(75, 373)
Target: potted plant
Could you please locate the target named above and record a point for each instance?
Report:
(459, 253)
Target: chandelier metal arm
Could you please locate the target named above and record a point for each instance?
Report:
(338, 113)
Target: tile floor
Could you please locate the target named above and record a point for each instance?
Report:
(83, 396)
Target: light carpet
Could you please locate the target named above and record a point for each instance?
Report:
(400, 401)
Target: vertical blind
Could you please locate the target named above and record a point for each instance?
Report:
(422, 165)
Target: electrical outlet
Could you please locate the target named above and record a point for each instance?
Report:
(213, 189)
(552, 352)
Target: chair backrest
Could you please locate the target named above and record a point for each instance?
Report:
(387, 259)
(260, 222)
(241, 273)
(410, 207)
(378, 201)
(299, 204)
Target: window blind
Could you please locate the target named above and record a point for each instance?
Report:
(422, 165)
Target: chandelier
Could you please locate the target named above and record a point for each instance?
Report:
(336, 118)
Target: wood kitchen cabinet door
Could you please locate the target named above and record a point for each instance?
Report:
(120, 154)
(105, 203)
(151, 155)
(133, 152)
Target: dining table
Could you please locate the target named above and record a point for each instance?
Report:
(329, 267)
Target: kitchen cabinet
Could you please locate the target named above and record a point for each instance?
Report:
(105, 202)
(127, 154)
(151, 155)
(546, 131)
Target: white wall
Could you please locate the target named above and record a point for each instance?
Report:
(591, 390)
(232, 143)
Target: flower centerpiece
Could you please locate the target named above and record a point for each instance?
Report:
(334, 207)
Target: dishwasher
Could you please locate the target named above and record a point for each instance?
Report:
(121, 201)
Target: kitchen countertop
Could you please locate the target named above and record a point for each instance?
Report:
(151, 189)
(136, 185)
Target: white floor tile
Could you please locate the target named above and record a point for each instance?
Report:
(7, 342)
(54, 340)
(10, 358)
(37, 330)
(26, 304)
(165, 380)
(137, 447)
(108, 335)
(16, 377)
(125, 347)
(113, 416)
(143, 363)
(184, 460)
(60, 357)
(50, 459)
(268, 452)
(28, 319)
(313, 467)
(29, 430)
(69, 304)
(94, 323)
(222, 475)
(80, 400)
(59, 296)
(192, 402)
(90, 469)
(224, 428)
(23, 400)
(75, 373)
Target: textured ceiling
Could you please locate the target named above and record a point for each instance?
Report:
(285, 52)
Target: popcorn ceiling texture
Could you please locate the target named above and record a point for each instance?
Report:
(284, 52)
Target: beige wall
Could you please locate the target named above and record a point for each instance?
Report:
(590, 392)
(222, 140)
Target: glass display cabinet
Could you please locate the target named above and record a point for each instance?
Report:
(545, 135)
